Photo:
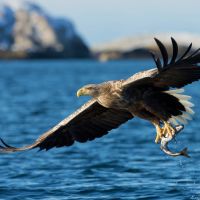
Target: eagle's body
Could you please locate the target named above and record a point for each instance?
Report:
(111, 95)
(114, 94)
(148, 95)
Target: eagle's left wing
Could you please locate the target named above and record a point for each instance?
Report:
(175, 73)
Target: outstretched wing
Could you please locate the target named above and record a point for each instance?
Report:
(176, 73)
(89, 122)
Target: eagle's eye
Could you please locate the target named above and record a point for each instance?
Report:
(89, 87)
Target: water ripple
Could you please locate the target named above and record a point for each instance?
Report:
(125, 164)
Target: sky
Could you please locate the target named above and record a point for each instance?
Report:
(105, 20)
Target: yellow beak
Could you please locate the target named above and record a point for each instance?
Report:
(80, 92)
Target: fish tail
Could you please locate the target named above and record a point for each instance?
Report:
(184, 152)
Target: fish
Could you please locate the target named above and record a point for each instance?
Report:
(167, 138)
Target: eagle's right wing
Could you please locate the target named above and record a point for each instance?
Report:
(87, 123)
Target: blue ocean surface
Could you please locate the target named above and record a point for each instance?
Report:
(125, 164)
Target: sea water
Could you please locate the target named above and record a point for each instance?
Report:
(125, 164)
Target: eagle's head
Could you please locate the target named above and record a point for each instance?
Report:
(89, 90)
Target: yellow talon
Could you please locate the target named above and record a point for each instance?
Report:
(168, 129)
(159, 133)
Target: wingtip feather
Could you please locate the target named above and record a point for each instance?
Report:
(163, 51)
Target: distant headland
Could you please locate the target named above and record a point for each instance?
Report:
(29, 32)
(139, 46)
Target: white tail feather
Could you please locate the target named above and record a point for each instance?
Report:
(178, 91)
(189, 111)
(185, 101)
(173, 121)
(181, 119)
(182, 97)
(186, 116)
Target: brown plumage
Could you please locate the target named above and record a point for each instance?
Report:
(147, 95)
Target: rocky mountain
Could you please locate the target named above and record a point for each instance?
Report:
(27, 31)
(139, 46)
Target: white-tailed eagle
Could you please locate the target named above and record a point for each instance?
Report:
(154, 95)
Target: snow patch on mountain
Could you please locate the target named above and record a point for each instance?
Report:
(26, 27)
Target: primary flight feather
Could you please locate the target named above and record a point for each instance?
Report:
(154, 95)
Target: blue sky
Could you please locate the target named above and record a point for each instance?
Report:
(105, 20)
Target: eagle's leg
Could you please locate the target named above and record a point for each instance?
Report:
(168, 129)
(159, 132)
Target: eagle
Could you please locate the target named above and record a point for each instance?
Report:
(155, 95)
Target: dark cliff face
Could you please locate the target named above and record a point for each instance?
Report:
(26, 31)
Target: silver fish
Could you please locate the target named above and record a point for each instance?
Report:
(166, 139)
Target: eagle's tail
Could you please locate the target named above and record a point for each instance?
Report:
(185, 101)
